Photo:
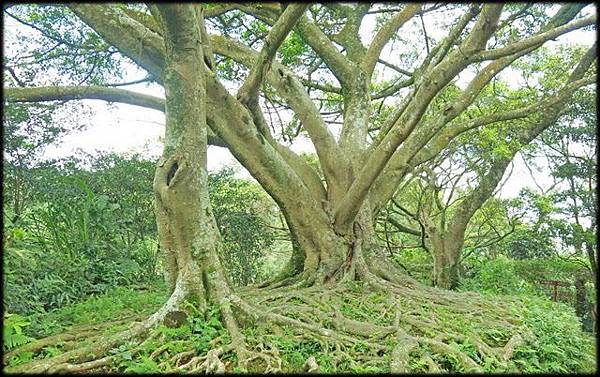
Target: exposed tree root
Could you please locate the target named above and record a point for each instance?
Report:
(379, 322)
(67, 338)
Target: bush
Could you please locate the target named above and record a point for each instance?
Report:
(559, 345)
(417, 263)
(524, 277)
(497, 276)
(88, 226)
(74, 240)
(241, 207)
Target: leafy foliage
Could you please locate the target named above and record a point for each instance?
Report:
(112, 305)
(241, 209)
(559, 345)
(51, 51)
(73, 243)
(498, 276)
(526, 277)
(12, 331)
(87, 226)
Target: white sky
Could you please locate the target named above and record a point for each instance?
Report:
(125, 128)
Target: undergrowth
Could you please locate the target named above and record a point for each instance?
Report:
(121, 302)
(557, 344)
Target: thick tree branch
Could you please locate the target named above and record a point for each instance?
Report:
(414, 143)
(248, 93)
(386, 32)
(486, 25)
(133, 39)
(66, 93)
(69, 93)
(438, 53)
(209, 56)
(148, 78)
(347, 209)
(403, 228)
(233, 123)
(534, 40)
(290, 89)
(440, 50)
(324, 87)
(339, 65)
(349, 36)
(143, 18)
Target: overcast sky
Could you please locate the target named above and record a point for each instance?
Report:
(125, 128)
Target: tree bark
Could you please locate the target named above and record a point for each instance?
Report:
(186, 225)
(446, 263)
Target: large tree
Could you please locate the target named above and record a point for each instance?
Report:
(190, 50)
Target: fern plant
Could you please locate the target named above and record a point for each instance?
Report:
(13, 331)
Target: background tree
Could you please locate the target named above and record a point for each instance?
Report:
(28, 131)
(570, 149)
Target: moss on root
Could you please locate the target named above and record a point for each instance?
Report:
(349, 327)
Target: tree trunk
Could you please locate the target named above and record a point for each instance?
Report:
(320, 255)
(318, 252)
(593, 258)
(446, 256)
(187, 229)
(185, 234)
(581, 305)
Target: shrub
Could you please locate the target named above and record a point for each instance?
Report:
(66, 250)
(241, 207)
(559, 345)
(497, 276)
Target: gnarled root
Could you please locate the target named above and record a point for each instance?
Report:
(86, 358)
(380, 323)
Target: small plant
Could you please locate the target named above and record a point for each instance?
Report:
(13, 331)
(143, 365)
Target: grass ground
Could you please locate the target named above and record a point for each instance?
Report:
(557, 344)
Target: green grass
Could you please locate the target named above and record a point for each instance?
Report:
(559, 345)
(118, 303)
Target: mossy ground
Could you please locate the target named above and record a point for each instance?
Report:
(357, 315)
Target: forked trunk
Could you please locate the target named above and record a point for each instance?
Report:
(320, 255)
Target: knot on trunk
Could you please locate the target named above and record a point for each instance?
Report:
(175, 319)
(171, 172)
